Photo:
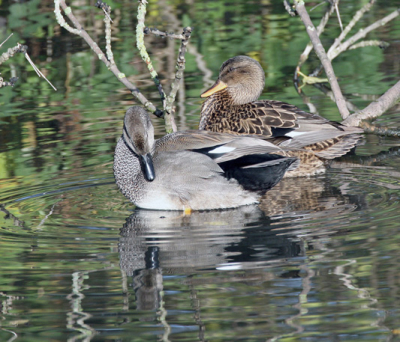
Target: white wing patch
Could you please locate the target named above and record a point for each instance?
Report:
(222, 149)
(294, 134)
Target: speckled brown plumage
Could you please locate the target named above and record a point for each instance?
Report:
(232, 106)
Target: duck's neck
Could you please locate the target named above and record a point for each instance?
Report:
(214, 109)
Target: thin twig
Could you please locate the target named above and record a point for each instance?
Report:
(114, 69)
(107, 23)
(309, 47)
(320, 4)
(12, 51)
(169, 100)
(106, 8)
(350, 25)
(289, 8)
(319, 49)
(336, 5)
(180, 66)
(38, 72)
(376, 108)
(143, 52)
(11, 83)
(6, 39)
(379, 43)
(159, 33)
(361, 34)
(60, 19)
(21, 49)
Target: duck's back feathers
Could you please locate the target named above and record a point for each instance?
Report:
(326, 144)
(218, 146)
(339, 146)
(266, 118)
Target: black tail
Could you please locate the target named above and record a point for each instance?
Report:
(259, 172)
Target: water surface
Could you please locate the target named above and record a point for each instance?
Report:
(316, 260)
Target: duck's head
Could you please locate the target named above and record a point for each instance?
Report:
(242, 78)
(138, 134)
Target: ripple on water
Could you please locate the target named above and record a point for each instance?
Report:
(286, 268)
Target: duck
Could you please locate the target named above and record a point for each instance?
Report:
(232, 106)
(193, 170)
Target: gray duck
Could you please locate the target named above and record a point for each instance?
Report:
(193, 170)
(232, 106)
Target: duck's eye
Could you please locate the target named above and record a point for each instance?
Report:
(238, 70)
(242, 71)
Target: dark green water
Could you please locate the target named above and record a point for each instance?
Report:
(317, 260)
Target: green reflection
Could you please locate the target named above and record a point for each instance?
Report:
(323, 266)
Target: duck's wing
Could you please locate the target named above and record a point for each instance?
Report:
(215, 143)
(191, 139)
(271, 119)
(327, 144)
(252, 161)
(255, 163)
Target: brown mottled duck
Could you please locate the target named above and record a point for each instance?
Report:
(232, 106)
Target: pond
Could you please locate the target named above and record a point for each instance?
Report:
(316, 260)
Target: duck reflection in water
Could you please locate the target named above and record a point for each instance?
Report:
(245, 240)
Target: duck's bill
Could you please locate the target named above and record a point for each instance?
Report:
(146, 162)
(218, 86)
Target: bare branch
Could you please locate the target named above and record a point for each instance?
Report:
(319, 49)
(336, 5)
(169, 100)
(180, 66)
(361, 34)
(320, 29)
(376, 108)
(21, 49)
(12, 82)
(38, 72)
(6, 39)
(350, 25)
(114, 69)
(12, 51)
(60, 19)
(107, 23)
(379, 43)
(106, 8)
(159, 33)
(289, 8)
(143, 52)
